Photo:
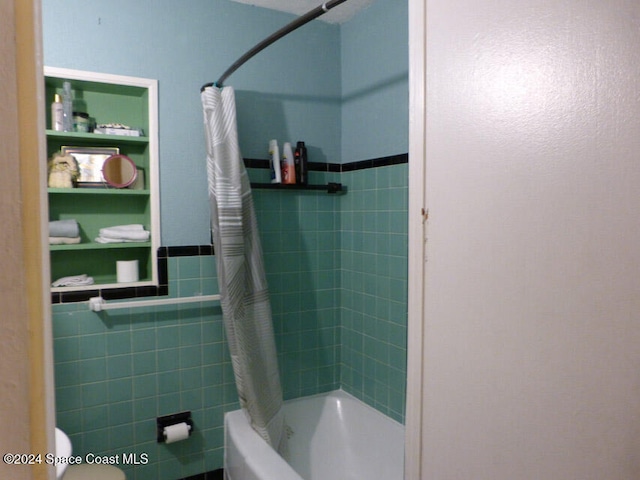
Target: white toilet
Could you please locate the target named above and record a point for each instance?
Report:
(83, 471)
(93, 472)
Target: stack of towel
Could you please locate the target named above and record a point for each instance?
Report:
(123, 233)
(64, 232)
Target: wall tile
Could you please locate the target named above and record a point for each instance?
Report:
(373, 290)
(112, 382)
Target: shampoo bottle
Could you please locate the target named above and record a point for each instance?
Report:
(288, 166)
(57, 114)
(300, 160)
(274, 162)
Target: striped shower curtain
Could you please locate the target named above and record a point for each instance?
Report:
(243, 288)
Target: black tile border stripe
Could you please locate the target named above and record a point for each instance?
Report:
(376, 162)
(212, 475)
(190, 251)
(339, 167)
(164, 253)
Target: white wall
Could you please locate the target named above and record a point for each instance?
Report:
(532, 320)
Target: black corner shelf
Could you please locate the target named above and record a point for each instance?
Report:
(330, 187)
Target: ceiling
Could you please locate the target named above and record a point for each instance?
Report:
(338, 14)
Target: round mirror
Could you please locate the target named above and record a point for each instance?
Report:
(119, 171)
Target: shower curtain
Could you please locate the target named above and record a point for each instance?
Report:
(243, 288)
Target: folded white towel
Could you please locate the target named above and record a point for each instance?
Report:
(134, 233)
(73, 281)
(133, 227)
(63, 240)
(119, 240)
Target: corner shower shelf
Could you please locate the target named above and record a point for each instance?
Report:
(330, 187)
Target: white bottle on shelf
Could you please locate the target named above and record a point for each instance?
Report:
(274, 163)
(57, 114)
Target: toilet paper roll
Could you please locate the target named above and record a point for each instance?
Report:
(127, 271)
(177, 432)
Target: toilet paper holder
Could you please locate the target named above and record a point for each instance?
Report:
(173, 419)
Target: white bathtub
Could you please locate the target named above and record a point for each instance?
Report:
(335, 437)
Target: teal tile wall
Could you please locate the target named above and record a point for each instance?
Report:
(117, 370)
(336, 267)
(300, 239)
(337, 272)
(373, 266)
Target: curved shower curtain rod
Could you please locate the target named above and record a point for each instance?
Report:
(298, 22)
